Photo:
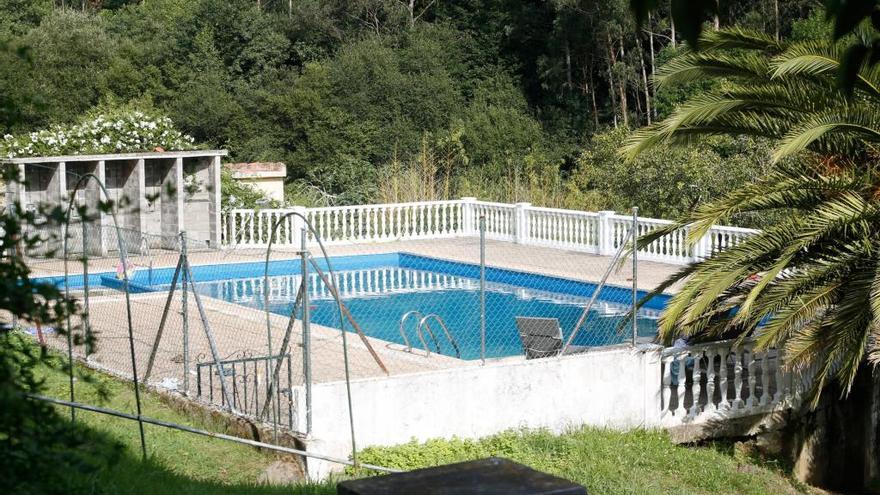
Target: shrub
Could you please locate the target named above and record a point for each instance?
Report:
(116, 131)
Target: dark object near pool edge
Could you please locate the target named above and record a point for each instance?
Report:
(492, 476)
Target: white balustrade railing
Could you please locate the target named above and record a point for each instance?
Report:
(563, 228)
(500, 218)
(387, 222)
(593, 232)
(701, 381)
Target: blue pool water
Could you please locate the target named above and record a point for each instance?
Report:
(379, 289)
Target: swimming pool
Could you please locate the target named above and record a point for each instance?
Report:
(380, 289)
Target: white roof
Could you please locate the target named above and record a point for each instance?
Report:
(118, 156)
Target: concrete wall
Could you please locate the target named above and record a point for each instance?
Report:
(266, 177)
(201, 206)
(156, 174)
(271, 187)
(615, 387)
(88, 195)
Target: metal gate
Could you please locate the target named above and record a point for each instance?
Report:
(250, 381)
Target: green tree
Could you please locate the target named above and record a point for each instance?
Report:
(668, 182)
(71, 54)
(810, 282)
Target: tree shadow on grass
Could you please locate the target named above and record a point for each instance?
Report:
(131, 475)
(89, 461)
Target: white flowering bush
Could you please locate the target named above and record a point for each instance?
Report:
(119, 132)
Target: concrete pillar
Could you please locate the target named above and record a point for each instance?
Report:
(469, 225)
(56, 195)
(130, 215)
(521, 223)
(605, 234)
(15, 191)
(200, 201)
(91, 195)
(214, 205)
(172, 204)
(703, 247)
(297, 225)
(652, 372)
(103, 222)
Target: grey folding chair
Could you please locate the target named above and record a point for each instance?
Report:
(542, 337)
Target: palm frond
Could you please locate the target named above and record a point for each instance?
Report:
(698, 66)
(837, 131)
(736, 38)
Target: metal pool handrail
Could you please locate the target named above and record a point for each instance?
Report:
(421, 337)
(424, 322)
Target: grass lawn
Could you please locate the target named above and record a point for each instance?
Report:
(606, 462)
(609, 462)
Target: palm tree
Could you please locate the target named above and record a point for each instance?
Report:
(810, 283)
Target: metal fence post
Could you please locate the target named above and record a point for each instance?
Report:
(635, 273)
(307, 333)
(483, 288)
(184, 312)
(85, 317)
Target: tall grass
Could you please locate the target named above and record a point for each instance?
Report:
(441, 172)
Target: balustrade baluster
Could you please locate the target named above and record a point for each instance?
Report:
(710, 380)
(539, 223)
(682, 378)
(569, 229)
(780, 378)
(750, 402)
(724, 394)
(329, 231)
(666, 385)
(738, 379)
(765, 379)
(695, 387)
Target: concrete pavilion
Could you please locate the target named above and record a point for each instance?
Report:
(165, 193)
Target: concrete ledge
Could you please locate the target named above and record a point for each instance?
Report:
(730, 427)
(117, 156)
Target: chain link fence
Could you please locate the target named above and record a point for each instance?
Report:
(294, 299)
(459, 299)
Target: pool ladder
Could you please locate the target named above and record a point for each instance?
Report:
(424, 324)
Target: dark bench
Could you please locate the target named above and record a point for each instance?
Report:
(492, 476)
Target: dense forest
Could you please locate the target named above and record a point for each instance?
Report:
(390, 100)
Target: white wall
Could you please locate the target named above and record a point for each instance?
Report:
(616, 387)
(271, 187)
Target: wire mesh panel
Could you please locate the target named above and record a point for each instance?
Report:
(432, 298)
(253, 325)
